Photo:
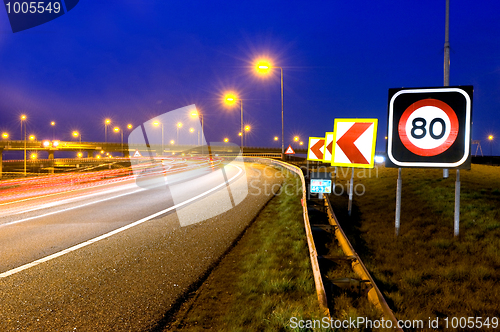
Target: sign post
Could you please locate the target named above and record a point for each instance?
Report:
(430, 128)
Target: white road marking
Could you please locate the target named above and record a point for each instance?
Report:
(116, 231)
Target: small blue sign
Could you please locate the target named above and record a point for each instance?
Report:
(320, 186)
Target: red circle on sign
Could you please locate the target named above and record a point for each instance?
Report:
(446, 144)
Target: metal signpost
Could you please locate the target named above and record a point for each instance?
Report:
(429, 128)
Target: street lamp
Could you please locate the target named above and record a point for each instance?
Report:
(117, 130)
(247, 128)
(77, 134)
(53, 124)
(156, 124)
(32, 138)
(263, 67)
(179, 126)
(276, 138)
(490, 138)
(296, 138)
(230, 99)
(5, 135)
(106, 123)
(196, 114)
(23, 121)
(226, 140)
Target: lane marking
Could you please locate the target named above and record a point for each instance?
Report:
(116, 231)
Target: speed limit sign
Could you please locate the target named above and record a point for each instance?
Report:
(429, 127)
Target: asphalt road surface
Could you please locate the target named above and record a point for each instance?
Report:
(117, 257)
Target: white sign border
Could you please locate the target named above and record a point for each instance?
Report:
(427, 164)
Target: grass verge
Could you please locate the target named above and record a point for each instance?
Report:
(426, 271)
(265, 280)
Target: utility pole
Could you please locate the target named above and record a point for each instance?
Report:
(447, 58)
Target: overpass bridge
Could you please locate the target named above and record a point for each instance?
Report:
(91, 151)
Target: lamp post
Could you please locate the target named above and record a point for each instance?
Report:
(5, 135)
(106, 123)
(156, 124)
(247, 128)
(230, 99)
(490, 138)
(23, 121)
(196, 114)
(77, 134)
(263, 67)
(53, 124)
(179, 126)
(118, 130)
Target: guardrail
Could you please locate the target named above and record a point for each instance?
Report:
(320, 288)
(374, 294)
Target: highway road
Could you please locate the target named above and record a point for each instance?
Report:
(117, 257)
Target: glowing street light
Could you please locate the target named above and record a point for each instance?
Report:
(230, 99)
(195, 114)
(53, 124)
(129, 126)
(179, 126)
(263, 67)
(301, 143)
(34, 156)
(276, 138)
(77, 134)
(23, 121)
(157, 123)
(296, 138)
(490, 138)
(118, 130)
(226, 140)
(172, 142)
(247, 128)
(5, 135)
(106, 123)
(32, 138)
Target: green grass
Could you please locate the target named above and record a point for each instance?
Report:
(426, 271)
(264, 281)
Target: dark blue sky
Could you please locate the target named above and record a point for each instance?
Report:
(130, 60)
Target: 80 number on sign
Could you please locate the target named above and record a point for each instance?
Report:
(428, 127)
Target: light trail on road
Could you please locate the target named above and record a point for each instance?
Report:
(117, 257)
